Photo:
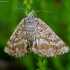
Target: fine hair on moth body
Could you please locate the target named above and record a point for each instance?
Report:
(33, 34)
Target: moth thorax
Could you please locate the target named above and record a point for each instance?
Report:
(30, 32)
(30, 28)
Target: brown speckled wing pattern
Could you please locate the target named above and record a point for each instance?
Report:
(17, 44)
(32, 34)
(47, 43)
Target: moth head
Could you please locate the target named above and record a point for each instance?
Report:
(30, 18)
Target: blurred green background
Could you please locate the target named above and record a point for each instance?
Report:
(59, 21)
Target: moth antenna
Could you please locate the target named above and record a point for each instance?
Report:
(43, 11)
(25, 10)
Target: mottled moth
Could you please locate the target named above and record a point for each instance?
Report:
(32, 34)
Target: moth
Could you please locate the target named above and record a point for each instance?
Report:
(33, 35)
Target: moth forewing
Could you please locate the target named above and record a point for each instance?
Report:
(17, 44)
(47, 43)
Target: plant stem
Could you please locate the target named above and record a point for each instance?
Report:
(28, 4)
(41, 63)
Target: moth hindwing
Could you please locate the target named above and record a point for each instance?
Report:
(32, 31)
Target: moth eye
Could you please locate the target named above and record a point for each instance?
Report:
(32, 16)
